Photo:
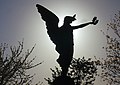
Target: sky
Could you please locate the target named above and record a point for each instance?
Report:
(20, 20)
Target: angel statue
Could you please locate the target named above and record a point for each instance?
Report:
(62, 36)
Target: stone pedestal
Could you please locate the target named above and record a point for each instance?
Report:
(63, 80)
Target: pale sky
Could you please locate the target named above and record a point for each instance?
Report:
(19, 19)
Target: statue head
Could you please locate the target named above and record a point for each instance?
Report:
(69, 19)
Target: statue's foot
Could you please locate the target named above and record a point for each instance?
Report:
(59, 62)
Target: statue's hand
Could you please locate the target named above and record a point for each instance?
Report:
(95, 21)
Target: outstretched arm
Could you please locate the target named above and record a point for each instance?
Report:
(81, 25)
(94, 22)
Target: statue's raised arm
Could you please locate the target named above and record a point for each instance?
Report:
(94, 22)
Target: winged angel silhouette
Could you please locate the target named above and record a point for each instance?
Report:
(62, 36)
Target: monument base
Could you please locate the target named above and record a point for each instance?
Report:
(63, 80)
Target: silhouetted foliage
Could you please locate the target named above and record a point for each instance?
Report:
(82, 71)
(55, 73)
(111, 65)
(14, 65)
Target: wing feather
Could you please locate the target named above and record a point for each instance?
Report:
(49, 17)
(51, 22)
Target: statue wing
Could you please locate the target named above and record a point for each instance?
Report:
(49, 17)
(51, 22)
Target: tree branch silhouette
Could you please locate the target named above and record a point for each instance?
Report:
(14, 65)
(111, 65)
